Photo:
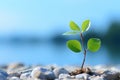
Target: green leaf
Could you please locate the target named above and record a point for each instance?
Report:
(71, 33)
(85, 25)
(94, 44)
(74, 26)
(74, 45)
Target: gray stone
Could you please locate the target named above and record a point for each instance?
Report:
(115, 76)
(14, 74)
(58, 71)
(83, 76)
(24, 76)
(3, 75)
(107, 72)
(49, 75)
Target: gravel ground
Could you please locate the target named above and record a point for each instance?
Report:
(19, 71)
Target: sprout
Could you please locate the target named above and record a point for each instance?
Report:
(76, 46)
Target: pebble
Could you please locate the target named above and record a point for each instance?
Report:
(24, 76)
(65, 76)
(3, 75)
(96, 78)
(49, 75)
(14, 78)
(112, 76)
(58, 71)
(38, 73)
(42, 73)
(83, 76)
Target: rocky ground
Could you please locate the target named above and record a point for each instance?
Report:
(18, 71)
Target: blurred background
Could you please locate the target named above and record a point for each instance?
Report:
(31, 31)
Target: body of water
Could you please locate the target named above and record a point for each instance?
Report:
(49, 53)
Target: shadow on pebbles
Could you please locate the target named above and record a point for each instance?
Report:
(19, 71)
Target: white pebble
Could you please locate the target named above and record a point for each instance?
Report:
(96, 78)
(14, 78)
(24, 76)
(83, 76)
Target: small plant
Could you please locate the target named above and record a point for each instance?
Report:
(93, 44)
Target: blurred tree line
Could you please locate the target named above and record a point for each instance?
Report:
(110, 40)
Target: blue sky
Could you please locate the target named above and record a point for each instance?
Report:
(45, 16)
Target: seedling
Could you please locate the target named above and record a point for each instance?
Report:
(76, 46)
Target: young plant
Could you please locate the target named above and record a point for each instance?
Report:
(93, 44)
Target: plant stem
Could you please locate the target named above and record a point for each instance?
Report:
(82, 39)
(83, 59)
